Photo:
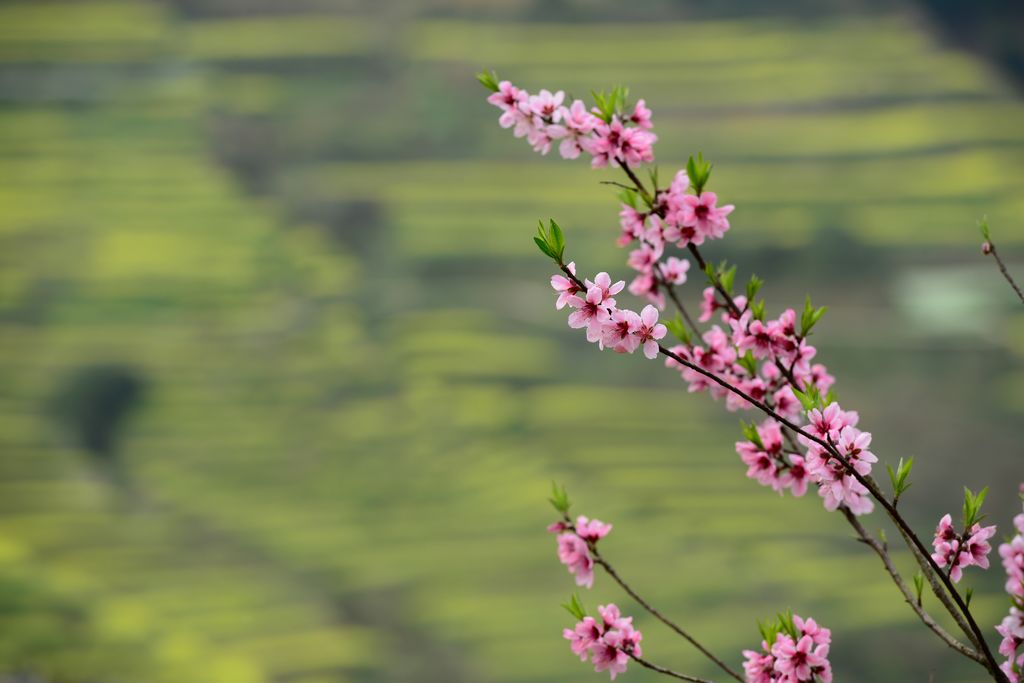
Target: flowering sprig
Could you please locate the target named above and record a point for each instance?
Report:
(969, 547)
(1012, 627)
(793, 650)
(747, 358)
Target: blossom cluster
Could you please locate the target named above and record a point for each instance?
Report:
(606, 137)
(609, 641)
(798, 654)
(675, 217)
(607, 325)
(958, 551)
(1012, 627)
(574, 546)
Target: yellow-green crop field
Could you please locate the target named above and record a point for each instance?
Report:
(339, 468)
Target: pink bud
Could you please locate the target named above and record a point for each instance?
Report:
(986, 247)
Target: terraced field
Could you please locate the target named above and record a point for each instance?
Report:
(308, 237)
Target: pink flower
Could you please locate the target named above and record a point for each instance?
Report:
(574, 554)
(759, 339)
(619, 331)
(853, 444)
(565, 287)
(648, 286)
(650, 331)
(591, 530)
(604, 282)
(612, 142)
(583, 636)
(673, 270)
(796, 477)
(508, 97)
(794, 657)
(961, 551)
(590, 312)
(709, 304)
(802, 660)
(547, 105)
(578, 123)
(644, 258)
(701, 214)
(641, 115)
(609, 641)
(632, 223)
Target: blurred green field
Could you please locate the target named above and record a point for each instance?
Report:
(310, 238)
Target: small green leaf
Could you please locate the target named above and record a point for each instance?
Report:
(728, 278)
(543, 246)
(753, 287)
(751, 434)
(757, 309)
(575, 607)
(489, 80)
(678, 328)
(968, 595)
(628, 197)
(749, 363)
(983, 226)
(557, 239)
(559, 498)
(919, 586)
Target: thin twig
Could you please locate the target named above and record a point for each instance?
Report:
(668, 672)
(598, 559)
(1003, 270)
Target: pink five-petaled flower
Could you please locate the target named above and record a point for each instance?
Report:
(957, 553)
(701, 214)
(583, 636)
(801, 660)
(547, 105)
(650, 331)
(578, 123)
(591, 530)
(565, 287)
(575, 555)
(619, 331)
(574, 548)
(591, 312)
(610, 640)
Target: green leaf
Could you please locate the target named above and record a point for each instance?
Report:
(753, 287)
(559, 498)
(557, 240)
(575, 607)
(898, 477)
(972, 506)
(983, 226)
(727, 279)
(489, 80)
(751, 434)
(809, 399)
(757, 309)
(967, 596)
(678, 328)
(749, 363)
(628, 197)
(543, 246)
(919, 586)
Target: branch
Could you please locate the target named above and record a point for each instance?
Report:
(989, 248)
(972, 630)
(598, 559)
(926, 618)
(662, 670)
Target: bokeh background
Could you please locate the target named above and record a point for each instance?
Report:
(282, 389)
